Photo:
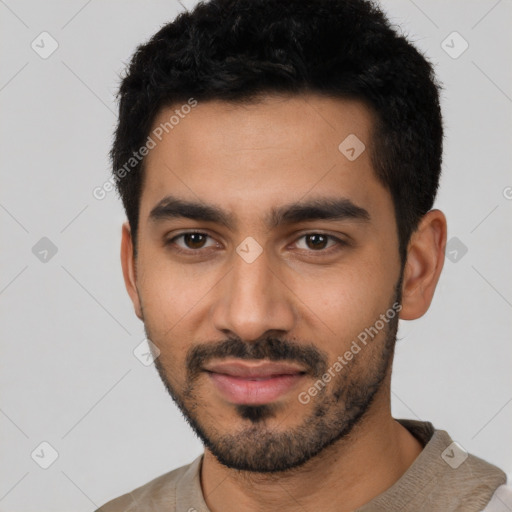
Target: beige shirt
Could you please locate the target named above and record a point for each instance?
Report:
(442, 478)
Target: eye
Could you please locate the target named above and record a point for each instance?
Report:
(317, 242)
(192, 241)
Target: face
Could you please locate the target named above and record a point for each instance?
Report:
(260, 241)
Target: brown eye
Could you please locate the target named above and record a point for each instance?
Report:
(191, 241)
(316, 241)
(194, 240)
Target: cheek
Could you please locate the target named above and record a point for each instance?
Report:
(167, 306)
(174, 298)
(350, 298)
(163, 285)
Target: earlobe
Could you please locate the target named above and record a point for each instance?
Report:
(128, 266)
(425, 259)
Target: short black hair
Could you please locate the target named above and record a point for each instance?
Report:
(242, 50)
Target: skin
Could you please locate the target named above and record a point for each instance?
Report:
(248, 160)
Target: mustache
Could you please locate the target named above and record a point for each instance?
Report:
(268, 348)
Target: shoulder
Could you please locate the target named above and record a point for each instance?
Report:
(501, 500)
(159, 493)
(460, 480)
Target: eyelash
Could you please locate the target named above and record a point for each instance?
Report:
(193, 252)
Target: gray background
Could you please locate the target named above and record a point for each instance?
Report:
(68, 373)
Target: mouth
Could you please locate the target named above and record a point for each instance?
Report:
(253, 384)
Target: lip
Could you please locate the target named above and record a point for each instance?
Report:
(254, 370)
(253, 384)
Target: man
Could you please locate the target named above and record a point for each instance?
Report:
(278, 162)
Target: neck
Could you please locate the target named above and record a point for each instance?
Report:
(344, 476)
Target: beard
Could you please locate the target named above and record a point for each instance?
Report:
(337, 408)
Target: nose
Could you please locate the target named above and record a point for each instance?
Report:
(254, 300)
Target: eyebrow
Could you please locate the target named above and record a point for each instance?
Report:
(316, 209)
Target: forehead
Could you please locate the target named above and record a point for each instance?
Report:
(253, 157)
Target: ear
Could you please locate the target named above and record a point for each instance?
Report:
(425, 259)
(129, 271)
